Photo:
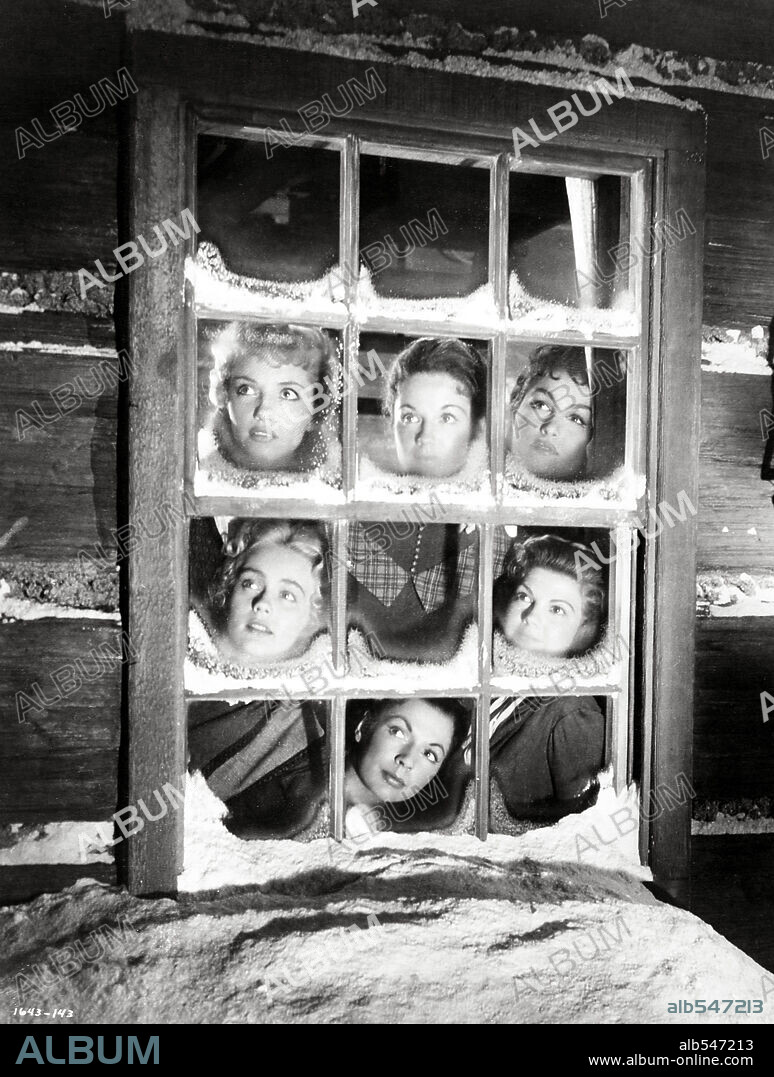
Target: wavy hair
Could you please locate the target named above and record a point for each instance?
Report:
(304, 536)
(572, 559)
(310, 348)
(547, 360)
(431, 355)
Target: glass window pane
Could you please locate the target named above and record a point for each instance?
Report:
(545, 757)
(269, 414)
(408, 765)
(273, 219)
(412, 598)
(260, 603)
(568, 247)
(550, 606)
(423, 228)
(422, 417)
(267, 761)
(566, 422)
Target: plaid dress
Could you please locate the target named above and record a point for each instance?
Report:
(416, 567)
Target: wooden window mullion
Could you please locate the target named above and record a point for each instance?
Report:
(484, 619)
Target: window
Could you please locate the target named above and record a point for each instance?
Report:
(352, 250)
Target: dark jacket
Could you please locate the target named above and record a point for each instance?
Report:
(266, 760)
(546, 757)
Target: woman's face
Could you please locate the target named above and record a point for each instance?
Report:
(432, 424)
(271, 605)
(269, 409)
(552, 427)
(545, 613)
(410, 742)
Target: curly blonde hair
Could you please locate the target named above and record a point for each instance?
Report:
(306, 537)
(311, 349)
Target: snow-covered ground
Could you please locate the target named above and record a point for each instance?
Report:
(412, 928)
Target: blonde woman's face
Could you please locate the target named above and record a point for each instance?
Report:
(269, 409)
(271, 606)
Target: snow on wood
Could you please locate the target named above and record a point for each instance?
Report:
(417, 928)
(620, 489)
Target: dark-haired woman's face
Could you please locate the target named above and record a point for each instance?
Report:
(545, 613)
(410, 742)
(432, 424)
(552, 427)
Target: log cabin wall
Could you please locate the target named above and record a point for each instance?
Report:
(61, 469)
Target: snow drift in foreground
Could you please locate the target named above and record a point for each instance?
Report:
(457, 931)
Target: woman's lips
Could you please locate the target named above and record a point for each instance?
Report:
(544, 447)
(393, 780)
(258, 626)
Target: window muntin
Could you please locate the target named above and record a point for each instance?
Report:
(337, 301)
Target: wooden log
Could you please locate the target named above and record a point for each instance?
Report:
(58, 470)
(28, 881)
(733, 745)
(659, 24)
(61, 761)
(60, 198)
(59, 787)
(731, 493)
(731, 890)
(61, 682)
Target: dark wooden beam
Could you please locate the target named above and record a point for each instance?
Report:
(734, 746)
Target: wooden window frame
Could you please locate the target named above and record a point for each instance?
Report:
(666, 155)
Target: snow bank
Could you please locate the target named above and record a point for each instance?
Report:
(455, 937)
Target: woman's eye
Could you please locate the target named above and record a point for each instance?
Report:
(287, 596)
(244, 390)
(289, 394)
(541, 406)
(522, 596)
(249, 583)
(560, 610)
(447, 417)
(408, 417)
(431, 755)
(396, 731)
(578, 419)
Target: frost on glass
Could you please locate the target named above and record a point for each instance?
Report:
(268, 399)
(423, 228)
(259, 604)
(271, 219)
(266, 762)
(569, 258)
(546, 756)
(412, 603)
(566, 424)
(422, 429)
(552, 627)
(407, 765)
